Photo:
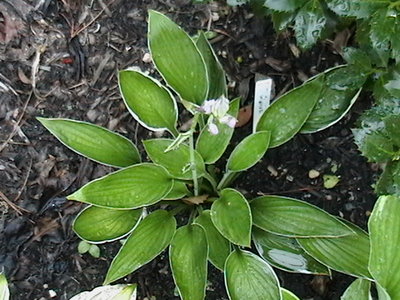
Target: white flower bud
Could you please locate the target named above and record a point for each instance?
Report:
(213, 129)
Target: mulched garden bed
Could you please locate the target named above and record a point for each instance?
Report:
(60, 59)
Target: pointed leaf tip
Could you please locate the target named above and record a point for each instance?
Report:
(177, 58)
(139, 249)
(94, 142)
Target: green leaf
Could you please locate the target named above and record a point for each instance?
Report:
(358, 58)
(249, 277)
(336, 98)
(94, 142)
(384, 229)
(177, 58)
(341, 89)
(249, 151)
(330, 181)
(152, 105)
(375, 137)
(355, 8)
(384, 25)
(394, 42)
(132, 187)
(176, 161)
(286, 254)
(288, 295)
(378, 136)
(309, 23)
(346, 78)
(283, 5)
(389, 182)
(179, 190)
(281, 19)
(285, 117)
(139, 249)
(211, 147)
(382, 293)
(94, 251)
(295, 218)
(378, 148)
(83, 247)
(236, 2)
(98, 225)
(188, 259)
(112, 292)
(358, 290)
(393, 85)
(231, 216)
(348, 254)
(219, 247)
(216, 74)
(4, 291)
(333, 106)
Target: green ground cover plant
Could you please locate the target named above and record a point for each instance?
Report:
(176, 200)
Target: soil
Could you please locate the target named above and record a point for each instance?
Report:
(60, 59)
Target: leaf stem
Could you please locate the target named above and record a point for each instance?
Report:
(178, 209)
(174, 132)
(192, 215)
(191, 155)
(211, 180)
(227, 179)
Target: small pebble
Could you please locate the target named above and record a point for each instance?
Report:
(147, 58)
(313, 174)
(52, 294)
(215, 16)
(272, 170)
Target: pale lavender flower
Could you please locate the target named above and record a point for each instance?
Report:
(218, 109)
(207, 106)
(228, 120)
(213, 129)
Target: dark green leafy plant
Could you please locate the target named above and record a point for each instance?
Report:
(379, 140)
(141, 200)
(373, 66)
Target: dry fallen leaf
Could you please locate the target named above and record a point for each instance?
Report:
(244, 116)
(341, 40)
(195, 200)
(12, 14)
(320, 284)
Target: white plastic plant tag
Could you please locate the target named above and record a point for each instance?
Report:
(109, 292)
(262, 97)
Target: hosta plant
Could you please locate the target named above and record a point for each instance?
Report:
(177, 200)
(384, 257)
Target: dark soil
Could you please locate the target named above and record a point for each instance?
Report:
(63, 62)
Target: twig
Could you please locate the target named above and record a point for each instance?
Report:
(35, 68)
(25, 181)
(17, 143)
(7, 86)
(14, 131)
(78, 31)
(19, 210)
